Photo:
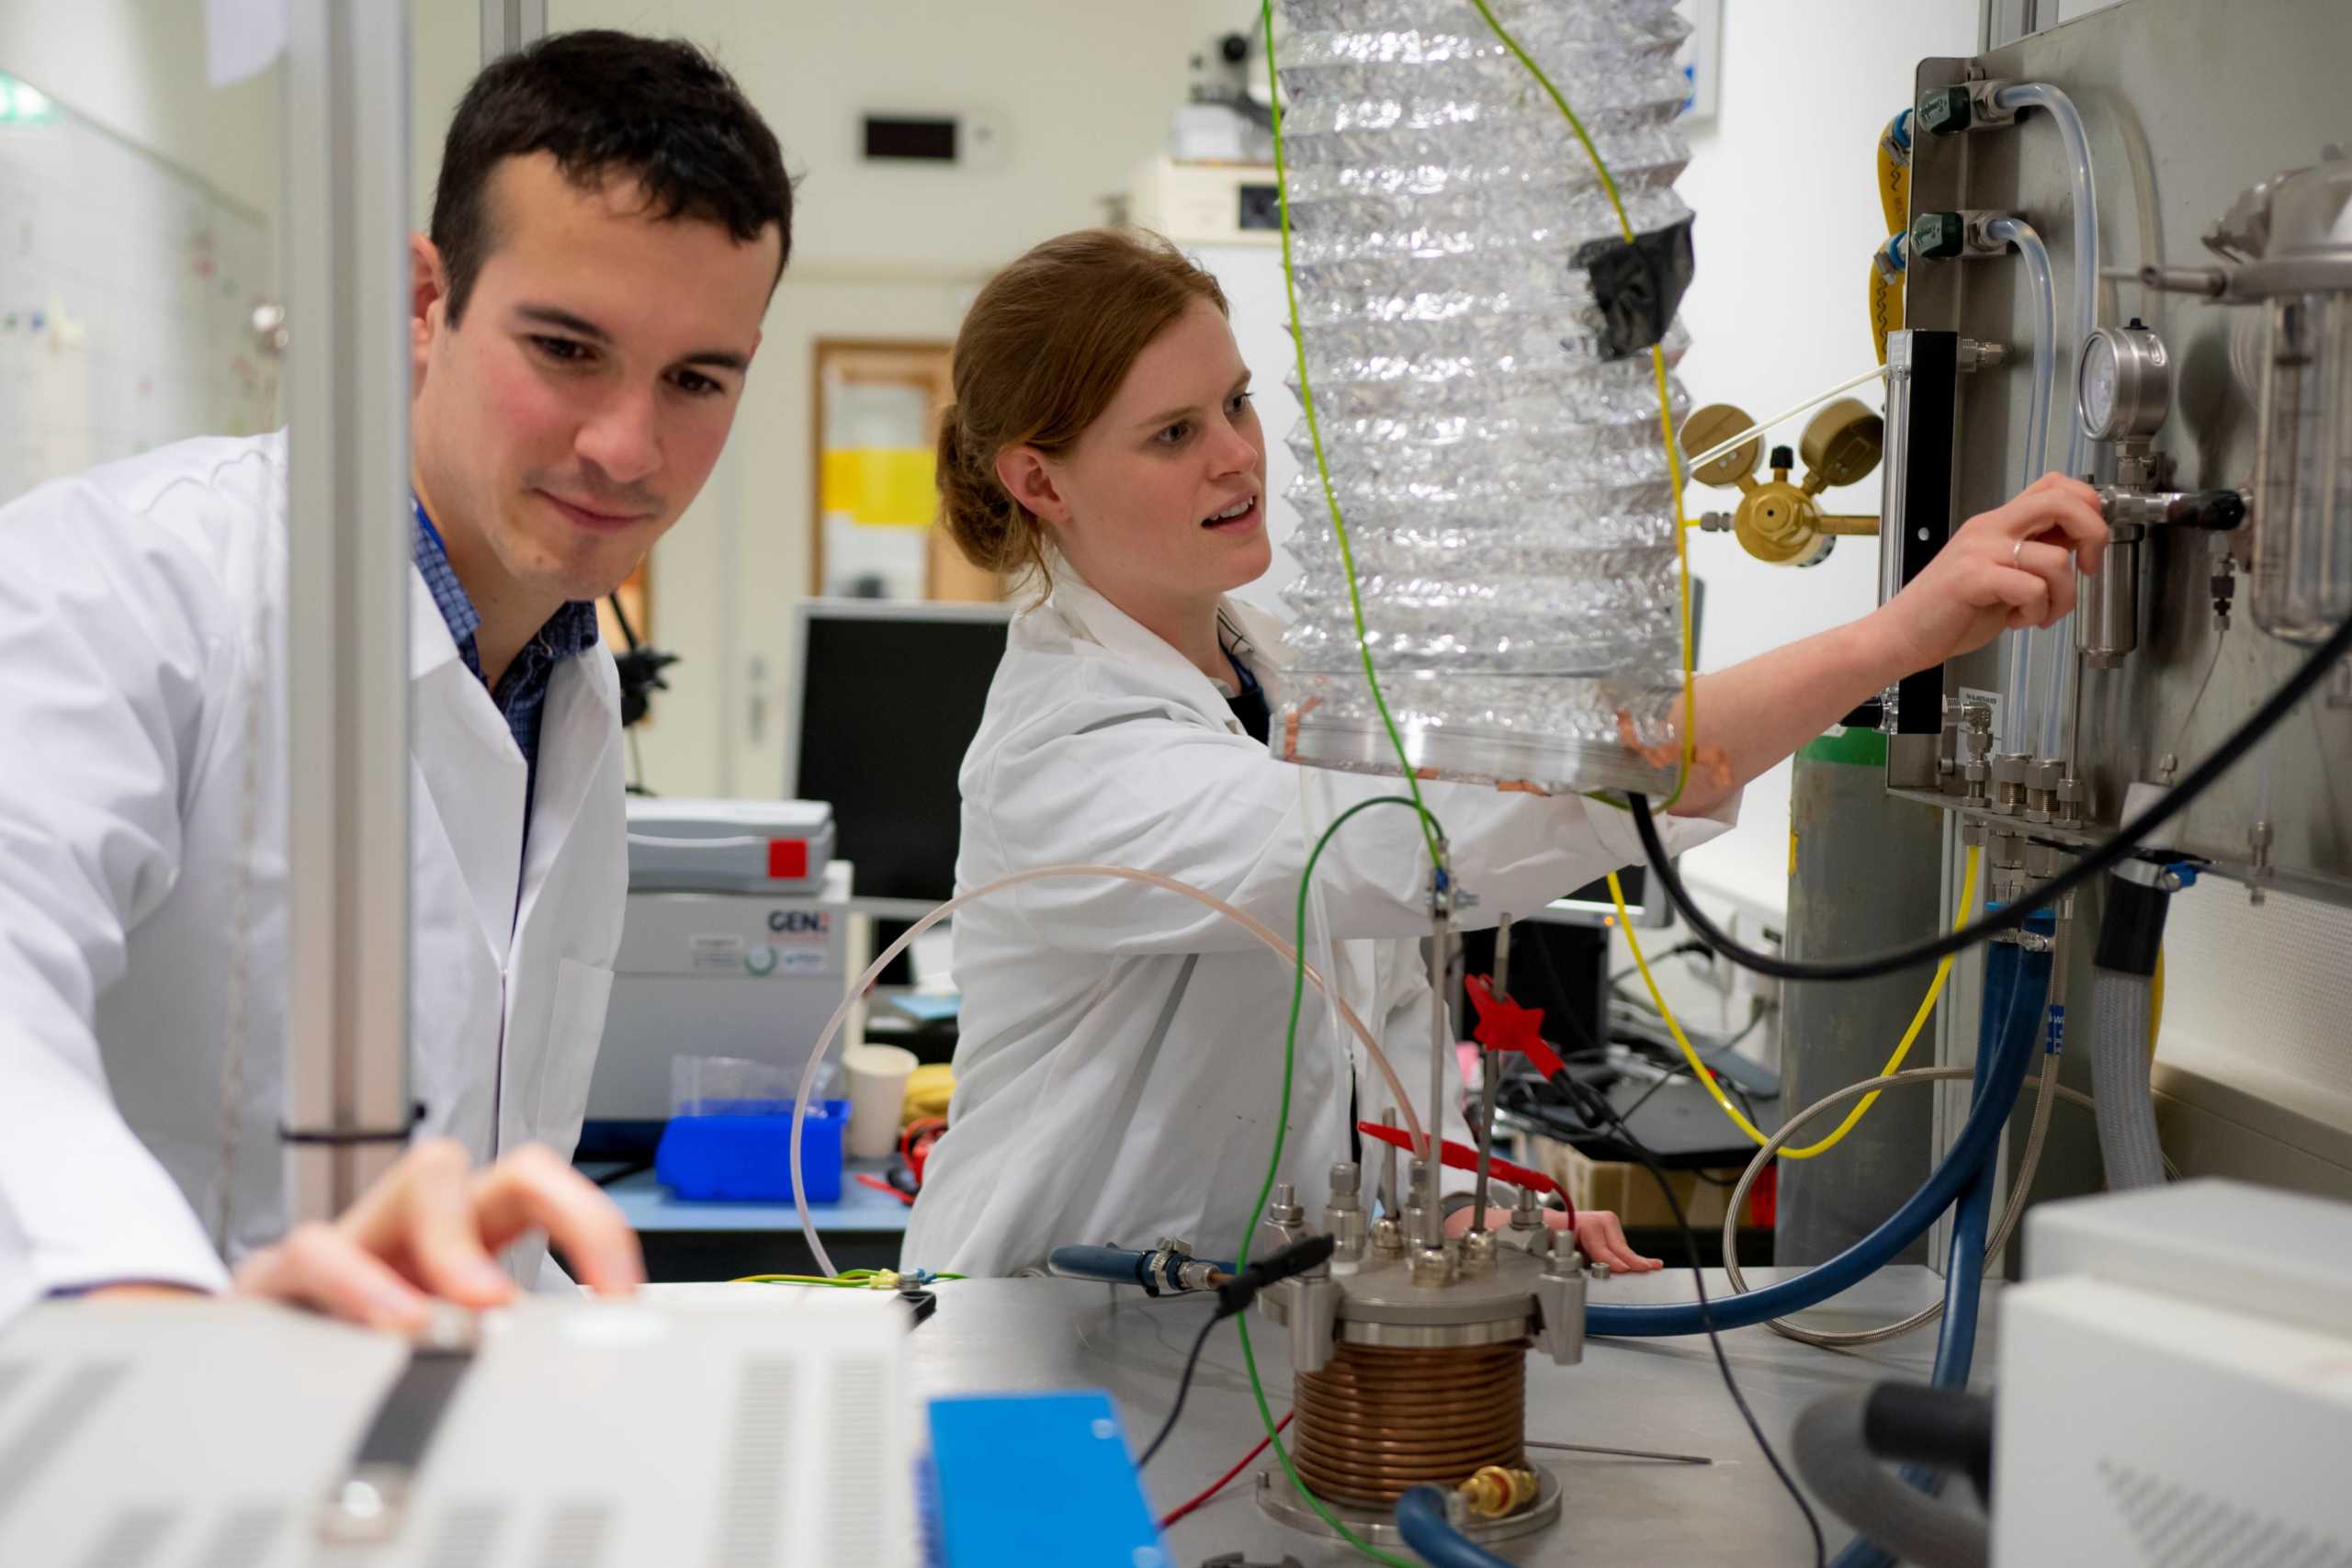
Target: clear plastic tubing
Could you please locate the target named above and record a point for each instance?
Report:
(2025, 646)
(1249, 923)
(2058, 677)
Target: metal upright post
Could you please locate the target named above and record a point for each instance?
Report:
(347, 1106)
(508, 25)
(1440, 1041)
(1487, 1080)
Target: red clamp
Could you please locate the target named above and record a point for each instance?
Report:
(1461, 1157)
(1503, 1025)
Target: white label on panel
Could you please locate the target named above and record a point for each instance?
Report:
(715, 952)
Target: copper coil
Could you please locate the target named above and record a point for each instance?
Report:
(1379, 1420)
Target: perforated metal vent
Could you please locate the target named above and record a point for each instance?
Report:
(245, 1538)
(856, 1452)
(131, 1539)
(750, 1499)
(2180, 1527)
(70, 1406)
(577, 1535)
(467, 1536)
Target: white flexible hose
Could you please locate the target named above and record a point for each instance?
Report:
(1760, 426)
(2044, 300)
(2069, 121)
(2059, 672)
(2025, 646)
(2127, 1115)
(1822, 1107)
(1249, 923)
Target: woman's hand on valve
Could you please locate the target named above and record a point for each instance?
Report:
(432, 1227)
(1600, 1235)
(2007, 567)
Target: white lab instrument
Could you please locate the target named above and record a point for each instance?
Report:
(748, 974)
(728, 846)
(139, 680)
(742, 1424)
(1199, 201)
(2175, 1380)
(1117, 1044)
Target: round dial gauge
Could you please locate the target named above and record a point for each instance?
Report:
(2121, 388)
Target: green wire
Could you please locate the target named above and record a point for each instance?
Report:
(1281, 1132)
(1607, 180)
(848, 1280)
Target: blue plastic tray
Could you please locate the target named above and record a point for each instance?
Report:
(748, 1157)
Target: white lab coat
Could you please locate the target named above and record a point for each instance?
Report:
(141, 663)
(1119, 1053)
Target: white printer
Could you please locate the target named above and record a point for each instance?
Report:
(727, 846)
(736, 942)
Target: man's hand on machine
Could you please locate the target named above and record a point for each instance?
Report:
(432, 1227)
(1599, 1235)
(2011, 566)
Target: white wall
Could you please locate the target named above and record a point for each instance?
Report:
(1785, 186)
(1079, 95)
(137, 68)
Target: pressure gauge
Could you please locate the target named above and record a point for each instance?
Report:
(2122, 390)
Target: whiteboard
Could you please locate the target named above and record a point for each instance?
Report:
(128, 288)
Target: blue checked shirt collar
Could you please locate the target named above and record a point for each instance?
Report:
(522, 692)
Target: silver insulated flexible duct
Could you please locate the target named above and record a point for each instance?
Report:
(1504, 486)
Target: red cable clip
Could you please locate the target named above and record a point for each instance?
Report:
(1503, 1025)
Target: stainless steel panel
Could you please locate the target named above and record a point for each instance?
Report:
(2185, 103)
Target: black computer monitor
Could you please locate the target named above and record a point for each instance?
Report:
(885, 697)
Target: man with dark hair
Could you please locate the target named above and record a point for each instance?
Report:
(611, 222)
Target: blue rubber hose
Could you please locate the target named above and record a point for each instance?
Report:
(2018, 1017)
(1980, 1138)
(2018, 980)
(1422, 1521)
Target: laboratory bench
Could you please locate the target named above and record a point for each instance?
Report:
(1660, 1397)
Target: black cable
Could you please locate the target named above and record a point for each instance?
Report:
(1667, 1076)
(1184, 1386)
(1233, 1298)
(2200, 778)
(1680, 950)
(1707, 1314)
(1566, 999)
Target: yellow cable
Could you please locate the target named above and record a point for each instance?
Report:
(1886, 308)
(1894, 185)
(1893, 1062)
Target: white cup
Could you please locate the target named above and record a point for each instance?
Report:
(877, 1092)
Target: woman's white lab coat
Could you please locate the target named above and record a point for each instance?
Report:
(1121, 1051)
(142, 686)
